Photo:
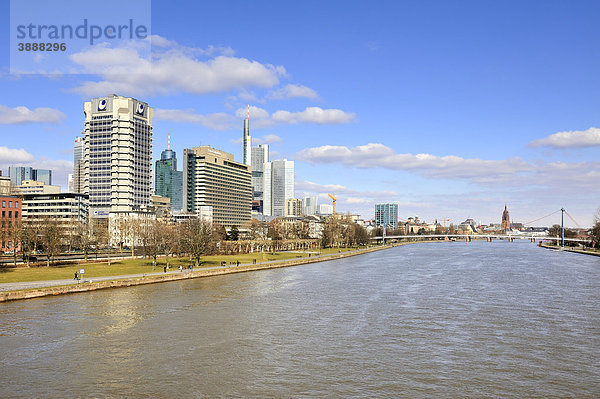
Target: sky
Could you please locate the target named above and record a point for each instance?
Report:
(451, 109)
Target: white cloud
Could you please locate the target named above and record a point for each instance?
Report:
(22, 115)
(260, 118)
(173, 69)
(314, 115)
(216, 121)
(513, 172)
(571, 139)
(376, 155)
(14, 155)
(311, 187)
(293, 91)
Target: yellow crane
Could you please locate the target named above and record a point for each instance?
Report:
(333, 199)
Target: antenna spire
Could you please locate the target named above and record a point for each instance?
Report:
(248, 111)
(169, 142)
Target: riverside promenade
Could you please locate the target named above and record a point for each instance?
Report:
(35, 289)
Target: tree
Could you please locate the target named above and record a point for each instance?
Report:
(52, 234)
(234, 233)
(198, 238)
(151, 234)
(595, 232)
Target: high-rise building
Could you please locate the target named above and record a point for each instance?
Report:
(260, 155)
(18, 174)
(386, 214)
(247, 140)
(78, 151)
(212, 178)
(293, 207)
(310, 205)
(278, 186)
(117, 158)
(168, 180)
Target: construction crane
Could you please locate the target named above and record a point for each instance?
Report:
(334, 200)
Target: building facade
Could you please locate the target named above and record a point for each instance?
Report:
(10, 218)
(78, 171)
(278, 186)
(310, 205)
(35, 187)
(505, 219)
(168, 180)
(65, 208)
(117, 156)
(260, 155)
(386, 214)
(18, 174)
(293, 207)
(212, 178)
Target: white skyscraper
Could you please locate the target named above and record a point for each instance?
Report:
(310, 205)
(117, 157)
(278, 186)
(78, 171)
(260, 155)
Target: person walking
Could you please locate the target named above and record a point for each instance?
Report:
(76, 276)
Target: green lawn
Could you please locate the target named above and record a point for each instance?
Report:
(137, 266)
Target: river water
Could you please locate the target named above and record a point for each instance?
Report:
(436, 319)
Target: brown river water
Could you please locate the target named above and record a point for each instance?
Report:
(426, 320)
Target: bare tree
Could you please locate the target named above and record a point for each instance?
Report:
(52, 233)
(197, 238)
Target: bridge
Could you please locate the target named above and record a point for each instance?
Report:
(488, 237)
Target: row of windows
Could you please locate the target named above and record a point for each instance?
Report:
(10, 204)
(10, 214)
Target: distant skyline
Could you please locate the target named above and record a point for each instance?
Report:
(450, 109)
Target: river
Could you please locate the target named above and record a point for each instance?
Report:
(448, 319)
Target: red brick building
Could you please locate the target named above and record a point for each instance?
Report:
(10, 213)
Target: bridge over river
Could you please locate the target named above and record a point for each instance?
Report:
(470, 237)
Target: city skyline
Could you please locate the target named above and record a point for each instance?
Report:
(450, 110)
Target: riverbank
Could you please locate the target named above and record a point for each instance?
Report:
(592, 252)
(91, 285)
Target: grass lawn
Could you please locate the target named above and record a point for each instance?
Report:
(138, 266)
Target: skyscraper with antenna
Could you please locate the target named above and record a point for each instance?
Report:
(168, 180)
(247, 140)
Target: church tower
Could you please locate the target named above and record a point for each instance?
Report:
(505, 219)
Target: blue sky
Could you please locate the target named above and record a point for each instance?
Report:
(451, 109)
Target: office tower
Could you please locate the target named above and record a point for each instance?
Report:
(278, 186)
(18, 174)
(293, 207)
(310, 205)
(247, 140)
(168, 180)
(387, 214)
(78, 150)
(43, 175)
(260, 155)
(117, 157)
(70, 183)
(212, 178)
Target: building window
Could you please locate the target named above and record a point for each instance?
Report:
(16, 204)
(10, 204)
(3, 204)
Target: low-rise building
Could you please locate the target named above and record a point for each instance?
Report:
(10, 217)
(293, 207)
(36, 187)
(63, 206)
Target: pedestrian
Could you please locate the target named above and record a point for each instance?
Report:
(165, 269)
(180, 268)
(237, 263)
(76, 276)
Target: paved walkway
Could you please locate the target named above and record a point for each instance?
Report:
(52, 283)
